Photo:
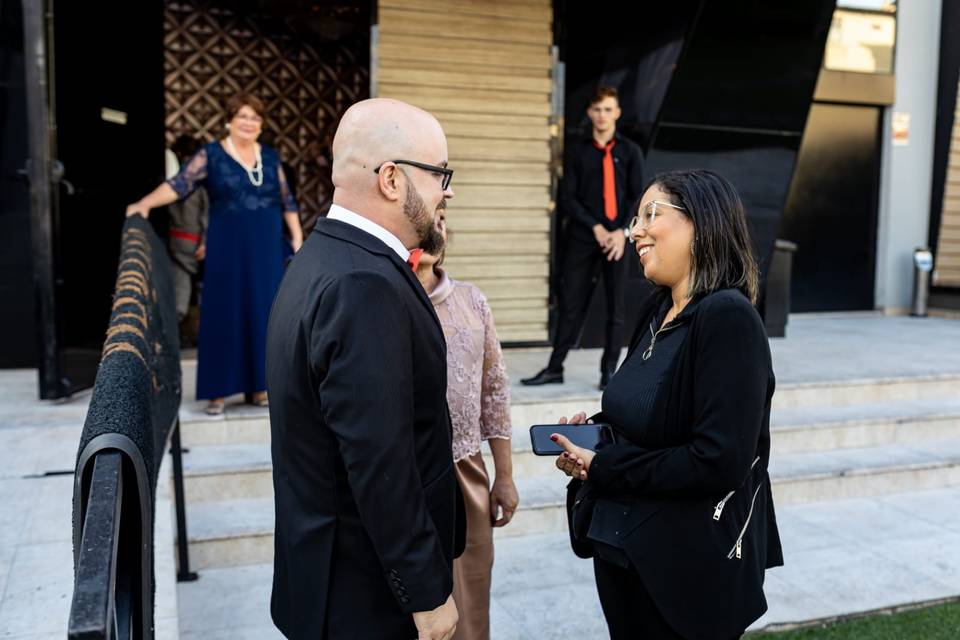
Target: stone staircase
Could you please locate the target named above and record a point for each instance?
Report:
(831, 441)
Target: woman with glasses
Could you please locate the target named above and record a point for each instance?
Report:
(249, 200)
(677, 514)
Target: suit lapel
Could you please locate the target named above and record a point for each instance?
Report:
(353, 235)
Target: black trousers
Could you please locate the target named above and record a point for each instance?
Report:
(627, 606)
(583, 262)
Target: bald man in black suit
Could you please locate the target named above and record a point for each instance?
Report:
(366, 495)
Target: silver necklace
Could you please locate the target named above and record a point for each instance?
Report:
(254, 173)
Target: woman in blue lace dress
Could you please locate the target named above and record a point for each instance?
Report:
(243, 252)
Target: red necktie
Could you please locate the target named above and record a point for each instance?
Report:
(414, 259)
(609, 180)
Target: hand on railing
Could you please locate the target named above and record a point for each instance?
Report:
(138, 208)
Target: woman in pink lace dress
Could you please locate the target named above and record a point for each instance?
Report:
(478, 393)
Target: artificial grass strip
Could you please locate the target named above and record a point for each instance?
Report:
(941, 622)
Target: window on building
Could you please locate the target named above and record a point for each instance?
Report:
(862, 37)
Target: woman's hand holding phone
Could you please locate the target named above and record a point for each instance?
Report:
(574, 461)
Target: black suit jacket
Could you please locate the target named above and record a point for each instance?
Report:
(366, 494)
(655, 495)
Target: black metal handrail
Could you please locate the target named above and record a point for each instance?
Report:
(131, 419)
(94, 612)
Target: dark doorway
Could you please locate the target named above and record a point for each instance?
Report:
(107, 103)
(18, 345)
(110, 110)
(831, 212)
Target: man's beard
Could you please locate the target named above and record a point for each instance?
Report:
(431, 241)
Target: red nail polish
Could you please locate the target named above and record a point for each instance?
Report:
(553, 437)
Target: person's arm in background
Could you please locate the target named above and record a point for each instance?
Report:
(291, 212)
(632, 194)
(573, 206)
(495, 420)
(177, 187)
(203, 219)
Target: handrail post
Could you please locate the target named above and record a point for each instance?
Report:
(93, 610)
(183, 552)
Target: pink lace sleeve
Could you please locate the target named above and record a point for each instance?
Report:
(495, 386)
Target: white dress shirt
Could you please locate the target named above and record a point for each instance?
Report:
(364, 224)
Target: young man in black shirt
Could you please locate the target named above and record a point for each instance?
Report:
(602, 185)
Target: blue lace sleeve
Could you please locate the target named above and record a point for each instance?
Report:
(286, 197)
(191, 175)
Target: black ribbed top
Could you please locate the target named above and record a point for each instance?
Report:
(629, 401)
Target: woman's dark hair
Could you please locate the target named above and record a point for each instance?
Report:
(722, 252)
(241, 99)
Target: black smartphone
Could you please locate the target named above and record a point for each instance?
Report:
(588, 436)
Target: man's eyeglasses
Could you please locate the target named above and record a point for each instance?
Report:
(443, 171)
(649, 213)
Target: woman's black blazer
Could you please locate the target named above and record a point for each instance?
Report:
(658, 497)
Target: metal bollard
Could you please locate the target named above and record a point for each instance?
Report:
(922, 266)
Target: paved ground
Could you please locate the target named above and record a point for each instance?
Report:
(38, 448)
(817, 348)
(842, 556)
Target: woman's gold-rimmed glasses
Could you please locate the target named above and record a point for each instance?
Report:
(649, 213)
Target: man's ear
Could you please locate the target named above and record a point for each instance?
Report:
(388, 180)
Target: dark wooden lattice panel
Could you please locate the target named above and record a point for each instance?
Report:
(305, 80)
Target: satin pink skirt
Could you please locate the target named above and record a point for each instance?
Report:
(471, 571)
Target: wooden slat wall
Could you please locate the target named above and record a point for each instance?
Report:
(946, 272)
(483, 67)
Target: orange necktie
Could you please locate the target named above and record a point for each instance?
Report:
(414, 259)
(609, 180)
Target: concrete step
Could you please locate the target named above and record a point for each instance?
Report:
(832, 427)
(799, 478)
(230, 533)
(537, 578)
(841, 393)
(227, 472)
(236, 471)
(865, 472)
(239, 531)
(543, 405)
(239, 424)
(837, 408)
(865, 425)
(876, 553)
(236, 530)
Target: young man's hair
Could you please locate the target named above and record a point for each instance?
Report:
(604, 91)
